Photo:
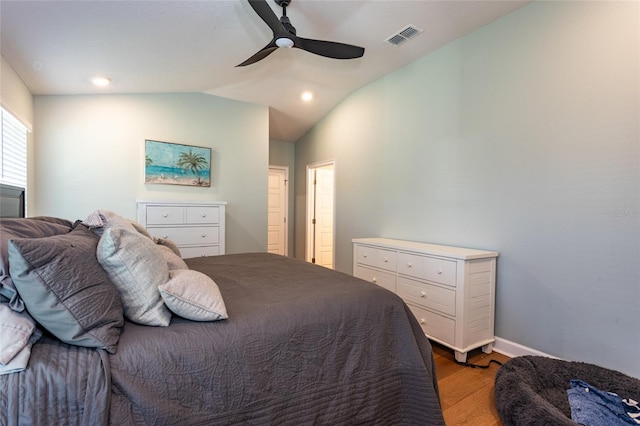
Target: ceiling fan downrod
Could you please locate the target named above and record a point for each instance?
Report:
(286, 23)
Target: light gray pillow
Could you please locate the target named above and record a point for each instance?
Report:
(65, 290)
(173, 260)
(136, 268)
(193, 295)
(100, 220)
(169, 244)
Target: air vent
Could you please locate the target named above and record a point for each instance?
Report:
(404, 35)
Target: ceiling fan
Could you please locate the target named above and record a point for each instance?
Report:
(284, 35)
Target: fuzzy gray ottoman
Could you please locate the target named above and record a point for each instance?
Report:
(532, 390)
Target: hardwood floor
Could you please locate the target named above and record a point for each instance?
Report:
(467, 394)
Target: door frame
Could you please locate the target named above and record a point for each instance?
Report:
(286, 205)
(310, 194)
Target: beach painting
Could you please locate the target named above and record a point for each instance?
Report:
(176, 164)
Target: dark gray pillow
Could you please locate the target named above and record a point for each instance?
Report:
(36, 227)
(65, 289)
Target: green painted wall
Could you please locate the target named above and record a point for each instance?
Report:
(521, 137)
(89, 154)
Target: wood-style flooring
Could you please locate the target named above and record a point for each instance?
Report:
(467, 394)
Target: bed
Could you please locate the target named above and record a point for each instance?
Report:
(298, 344)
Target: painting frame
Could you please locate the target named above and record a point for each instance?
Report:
(170, 163)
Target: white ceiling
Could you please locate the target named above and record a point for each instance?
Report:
(193, 46)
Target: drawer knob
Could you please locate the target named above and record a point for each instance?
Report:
(165, 237)
(204, 215)
(365, 255)
(203, 255)
(204, 235)
(164, 215)
(439, 271)
(374, 279)
(422, 321)
(409, 264)
(423, 294)
(386, 260)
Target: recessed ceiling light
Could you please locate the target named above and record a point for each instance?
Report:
(101, 81)
(307, 96)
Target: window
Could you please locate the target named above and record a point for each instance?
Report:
(13, 155)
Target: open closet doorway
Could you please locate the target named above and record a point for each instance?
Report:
(320, 213)
(277, 210)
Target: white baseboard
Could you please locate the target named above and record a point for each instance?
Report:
(513, 349)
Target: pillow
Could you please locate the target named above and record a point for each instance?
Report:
(193, 295)
(136, 267)
(23, 228)
(170, 244)
(141, 229)
(173, 260)
(100, 220)
(65, 289)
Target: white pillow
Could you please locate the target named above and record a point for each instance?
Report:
(193, 295)
(136, 267)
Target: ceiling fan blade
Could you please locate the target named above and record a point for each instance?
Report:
(261, 54)
(267, 15)
(330, 49)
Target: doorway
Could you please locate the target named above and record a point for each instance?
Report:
(277, 211)
(320, 213)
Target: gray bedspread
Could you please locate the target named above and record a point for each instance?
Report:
(303, 345)
(63, 385)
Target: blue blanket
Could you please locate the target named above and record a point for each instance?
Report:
(593, 407)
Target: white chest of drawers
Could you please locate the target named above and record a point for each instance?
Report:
(450, 290)
(197, 228)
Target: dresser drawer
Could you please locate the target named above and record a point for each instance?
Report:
(198, 228)
(379, 258)
(203, 214)
(165, 215)
(434, 325)
(427, 295)
(188, 252)
(196, 235)
(383, 279)
(427, 268)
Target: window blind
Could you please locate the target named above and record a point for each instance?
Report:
(13, 155)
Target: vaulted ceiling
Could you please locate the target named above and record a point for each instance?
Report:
(194, 46)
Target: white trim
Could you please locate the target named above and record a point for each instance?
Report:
(513, 349)
(286, 204)
(26, 123)
(309, 203)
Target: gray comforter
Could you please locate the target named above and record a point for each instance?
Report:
(302, 345)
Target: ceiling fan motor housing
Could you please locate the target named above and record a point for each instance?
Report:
(284, 42)
(286, 23)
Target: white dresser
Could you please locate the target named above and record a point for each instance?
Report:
(197, 228)
(450, 290)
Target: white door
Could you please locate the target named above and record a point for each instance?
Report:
(277, 208)
(320, 222)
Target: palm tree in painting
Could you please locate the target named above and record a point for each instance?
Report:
(193, 162)
(147, 161)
